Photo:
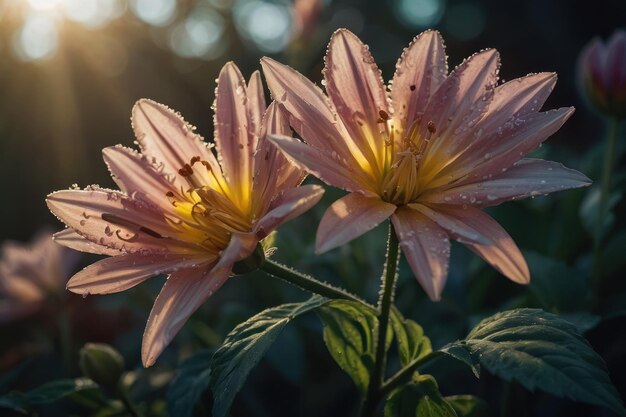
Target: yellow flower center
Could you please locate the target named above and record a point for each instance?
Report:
(403, 177)
(209, 211)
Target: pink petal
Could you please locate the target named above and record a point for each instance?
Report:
(256, 103)
(70, 239)
(111, 219)
(504, 147)
(517, 98)
(528, 177)
(426, 248)
(348, 218)
(455, 228)
(513, 102)
(232, 130)
(240, 246)
(310, 112)
(119, 273)
(164, 135)
(272, 171)
(458, 104)
(183, 293)
(289, 204)
(503, 254)
(419, 72)
(616, 64)
(136, 176)
(357, 91)
(323, 165)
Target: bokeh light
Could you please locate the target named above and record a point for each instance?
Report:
(419, 13)
(154, 12)
(267, 25)
(37, 38)
(93, 13)
(199, 35)
(44, 4)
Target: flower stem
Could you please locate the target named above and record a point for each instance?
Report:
(605, 191)
(405, 374)
(385, 301)
(307, 282)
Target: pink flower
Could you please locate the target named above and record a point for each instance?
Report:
(181, 211)
(31, 274)
(430, 154)
(602, 74)
(306, 14)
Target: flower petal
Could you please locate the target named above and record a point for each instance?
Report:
(503, 254)
(455, 228)
(70, 239)
(272, 171)
(311, 114)
(348, 218)
(137, 177)
(255, 104)
(164, 135)
(111, 219)
(528, 177)
(426, 248)
(457, 106)
(289, 204)
(232, 135)
(357, 91)
(303, 100)
(419, 72)
(332, 171)
(503, 148)
(119, 273)
(183, 293)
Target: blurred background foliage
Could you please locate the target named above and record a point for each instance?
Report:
(70, 71)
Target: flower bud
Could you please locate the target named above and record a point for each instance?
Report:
(251, 263)
(602, 74)
(103, 364)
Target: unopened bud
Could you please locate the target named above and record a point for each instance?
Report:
(602, 74)
(103, 364)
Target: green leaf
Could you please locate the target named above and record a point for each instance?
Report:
(54, 391)
(348, 334)
(421, 398)
(541, 350)
(590, 207)
(191, 380)
(47, 393)
(15, 401)
(469, 406)
(412, 343)
(557, 286)
(245, 345)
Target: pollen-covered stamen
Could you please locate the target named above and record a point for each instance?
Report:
(402, 183)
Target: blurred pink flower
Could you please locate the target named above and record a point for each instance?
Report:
(430, 154)
(306, 15)
(181, 211)
(30, 274)
(602, 74)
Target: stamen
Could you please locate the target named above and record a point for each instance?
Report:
(186, 171)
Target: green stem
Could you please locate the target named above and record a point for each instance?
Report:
(404, 375)
(385, 301)
(65, 340)
(307, 282)
(605, 191)
(128, 403)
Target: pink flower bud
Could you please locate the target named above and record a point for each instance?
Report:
(602, 74)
